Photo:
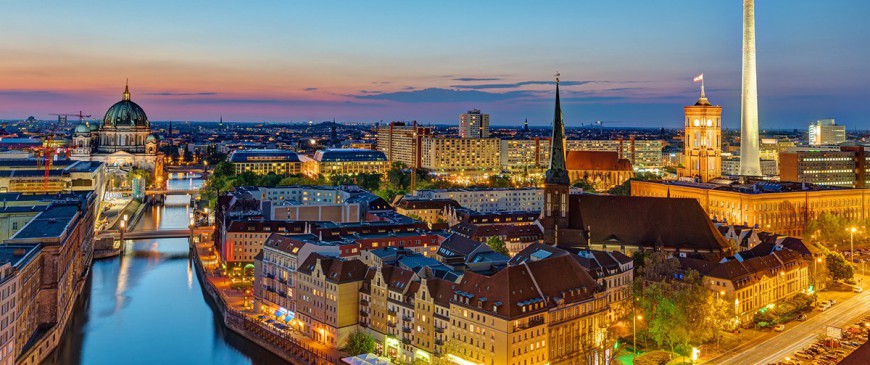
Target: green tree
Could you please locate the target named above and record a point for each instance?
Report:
(224, 169)
(271, 179)
(359, 342)
(497, 245)
(500, 181)
(838, 267)
(834, 231)
(296, 180)
(370, 182)
(585, 185)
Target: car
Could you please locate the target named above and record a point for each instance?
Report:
(824, 307)
(779, 328)
(802, 317)
(832, 302)
(857, 289)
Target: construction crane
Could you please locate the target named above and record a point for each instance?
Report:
(48, 145)
(601, 123)
(62, 117)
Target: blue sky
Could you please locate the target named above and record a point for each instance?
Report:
(630, 61)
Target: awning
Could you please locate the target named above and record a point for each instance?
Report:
(279, 313)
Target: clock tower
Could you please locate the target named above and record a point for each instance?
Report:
(702, 152)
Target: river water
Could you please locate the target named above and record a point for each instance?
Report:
(147, 307)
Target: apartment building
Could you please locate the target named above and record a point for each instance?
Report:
(461, 155)
(328, 298)
(264, 161)
(643, 154)
(401, 142)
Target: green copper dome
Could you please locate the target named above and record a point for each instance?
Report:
(94, 127)
(151, 138)
(125, 113)
(82, 128)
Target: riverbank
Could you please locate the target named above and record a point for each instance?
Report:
(231, 309)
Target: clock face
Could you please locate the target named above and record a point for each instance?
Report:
(709, 122)
(697, 122)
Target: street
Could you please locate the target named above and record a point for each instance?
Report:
(800, 335)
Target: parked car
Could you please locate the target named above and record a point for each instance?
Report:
(802, 317)
(857, 289)
(779, 328)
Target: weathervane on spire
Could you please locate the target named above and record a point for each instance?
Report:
(557, 76)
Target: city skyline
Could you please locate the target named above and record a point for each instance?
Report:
(271, 62)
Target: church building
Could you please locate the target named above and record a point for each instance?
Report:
(618, 223)
(123, 141)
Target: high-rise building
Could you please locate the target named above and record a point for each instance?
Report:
(474, 124)
(702, 151)
(525, 155)
(826, 132)
(401, 142)
(643, 154)
(750, 162)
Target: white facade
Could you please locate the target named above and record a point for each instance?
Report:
(826, 132)
(474, 124)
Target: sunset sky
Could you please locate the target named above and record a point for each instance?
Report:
(630, 61)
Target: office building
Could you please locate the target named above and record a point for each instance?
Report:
(844, 166)
(264, 161)
(826, 132)
(341, 161)
(474, 124)
(401, 142)
(730, 166)
(778, 207)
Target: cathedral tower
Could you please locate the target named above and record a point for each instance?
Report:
(556, 183)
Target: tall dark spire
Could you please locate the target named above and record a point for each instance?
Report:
(557, 173)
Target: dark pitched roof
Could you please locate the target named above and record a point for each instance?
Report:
(536, 285)
(457, 245)
(412, 204)
(643, 221)
(336, 270)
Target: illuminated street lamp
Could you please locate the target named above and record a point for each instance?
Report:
(852, 242)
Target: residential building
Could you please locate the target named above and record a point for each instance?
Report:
(464, 254)
(242, 241)
(560, 314)
(643, 154)
(263, 161)
(427, 210)
(844, 166)
(602, 169)
(401, 142)
(516, 229)
(524, 156)
(754, 283)
(349, 162)
(20, 270)
(487, 200)
(826, 132)
(779, 207)
(474, 124)
(407, 314)
(703, 138)
(328, 298)
(469, 156)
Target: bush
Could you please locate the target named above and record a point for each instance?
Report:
(653, 358)
(851, 281)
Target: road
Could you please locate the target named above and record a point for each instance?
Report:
(801, 335)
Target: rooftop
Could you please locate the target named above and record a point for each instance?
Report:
(270, 155)
(349, 154)
(51, 223)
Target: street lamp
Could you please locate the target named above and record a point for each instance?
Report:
(852, 242)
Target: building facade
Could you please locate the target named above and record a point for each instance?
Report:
(525, 156)
(401, 142)
(782, 208)
(328, 292)
(643, 154)
(702, 149)
(844, 166)
(262, 162)
(349, 162)
(602, 169)
(471, 156)
(474, 124)
(826, 132)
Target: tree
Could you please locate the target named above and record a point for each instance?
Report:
(296, 180)
(359, 342)
(271, 179)
(224, 169)
(584, 184)
(499, 181)
(838, 267)
(834, 231)
(497, 245)
(370, 182)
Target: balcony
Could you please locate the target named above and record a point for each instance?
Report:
(364, 302)
(439, 342)
(406, 341)
(406, 329)
(364, 324)
(391, 312)
(270, 276)
(407, 318)
(363, 313)
(439, 329)
(391, 324)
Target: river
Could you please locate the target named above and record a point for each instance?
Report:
(147, 307)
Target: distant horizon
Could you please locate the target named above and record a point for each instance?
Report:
(630, 61)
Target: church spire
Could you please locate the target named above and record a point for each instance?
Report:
(127, 90)
(557, 173)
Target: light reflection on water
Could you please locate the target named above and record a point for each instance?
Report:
(148, 308)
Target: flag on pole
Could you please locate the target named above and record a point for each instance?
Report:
(699, 78)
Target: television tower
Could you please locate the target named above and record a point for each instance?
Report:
(750, 162)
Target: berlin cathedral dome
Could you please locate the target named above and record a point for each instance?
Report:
(125, 113)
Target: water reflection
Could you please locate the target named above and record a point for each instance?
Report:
(147, 307)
